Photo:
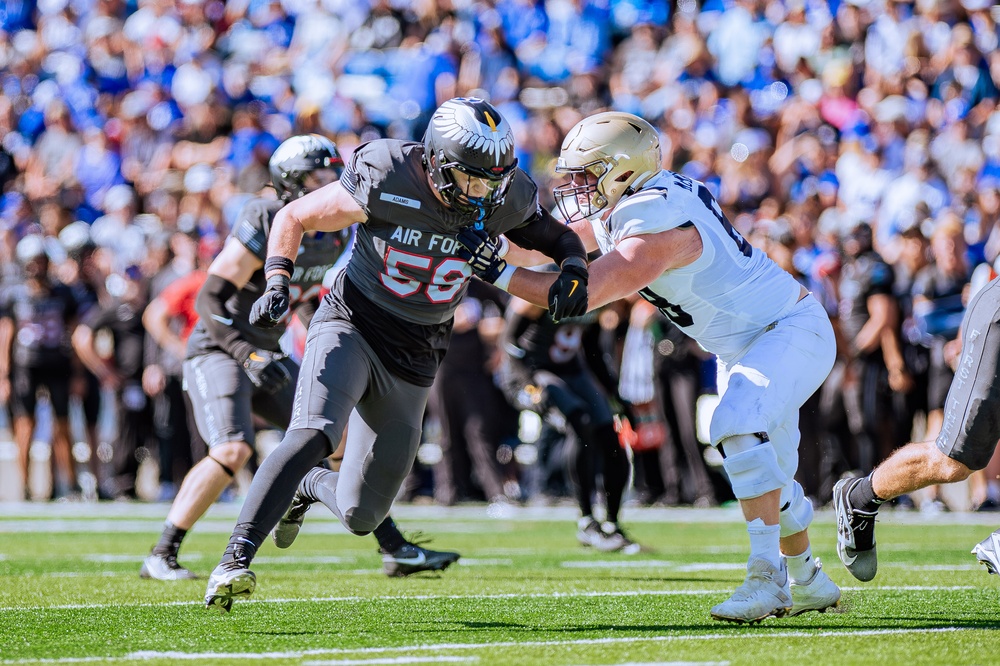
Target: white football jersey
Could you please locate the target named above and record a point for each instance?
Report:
(730, 293)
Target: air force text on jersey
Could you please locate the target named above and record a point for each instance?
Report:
(415, 237)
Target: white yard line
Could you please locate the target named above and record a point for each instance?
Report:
(392, 660)
(432, 597)
(410, 649)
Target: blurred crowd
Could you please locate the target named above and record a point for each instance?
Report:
(855, 141)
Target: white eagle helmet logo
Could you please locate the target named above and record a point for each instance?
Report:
(458, 122)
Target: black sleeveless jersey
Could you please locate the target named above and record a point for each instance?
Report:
(404, 280)
(317, 254)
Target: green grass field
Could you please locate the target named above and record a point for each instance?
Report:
(523, 593)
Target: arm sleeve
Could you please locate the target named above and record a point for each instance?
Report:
(546, 234)
(211, 306)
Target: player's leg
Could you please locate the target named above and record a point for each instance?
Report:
(23, 401)
(64, 466)
(335, 375)
(401, 557)
(615, 468)
(760, 394)
(546, 391)
(220, 394)
(967, 440)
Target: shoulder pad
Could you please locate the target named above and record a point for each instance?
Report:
(254, 225)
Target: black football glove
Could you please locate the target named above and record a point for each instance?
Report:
(481, 253)
(268, 310)
(265, 370)
(568, 294)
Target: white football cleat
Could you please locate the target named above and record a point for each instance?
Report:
(765, 593)
(164, 567)
(987, 552)
(819, 594)
(227, 582)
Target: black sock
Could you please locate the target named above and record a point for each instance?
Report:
(616, 469)
(390, 539)
(863, 497)
(170, 540)
(239, 548)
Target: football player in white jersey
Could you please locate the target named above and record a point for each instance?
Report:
(664, 236)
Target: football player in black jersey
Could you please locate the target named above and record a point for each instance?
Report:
(376, 342)
(544, 369)
(36, 316)
(234, 369)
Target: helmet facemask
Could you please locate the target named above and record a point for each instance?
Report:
(581, 198)
(456, 191)
(469, 156)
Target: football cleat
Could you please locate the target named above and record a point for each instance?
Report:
(819, 594)
(588, 531)
(287, 529)
(855, 533)
(231, 579)
(765, 593)
(987, 552)
(611, 538)
(164, 567)
(411, 558)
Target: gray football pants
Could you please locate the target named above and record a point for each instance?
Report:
(341, 379)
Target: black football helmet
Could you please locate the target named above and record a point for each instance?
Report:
(298, 156)
(468, 134)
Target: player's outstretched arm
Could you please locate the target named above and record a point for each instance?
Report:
(632, 265)
(330, 208)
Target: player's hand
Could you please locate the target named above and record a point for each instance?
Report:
(482, 254)
(265, 370)
(568, 294)
(268, 310)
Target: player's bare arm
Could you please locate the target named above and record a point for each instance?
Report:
(636, 262)
(156, 320)
(235, 263)
(330, 208)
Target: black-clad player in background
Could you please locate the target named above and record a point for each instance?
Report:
(544, 370)
(376, 342)
(234, 369)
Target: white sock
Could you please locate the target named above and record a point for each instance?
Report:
(801, 567)
(993, 490)
(765, 541)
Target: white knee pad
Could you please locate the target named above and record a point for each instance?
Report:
(752, 466)
(796, 510)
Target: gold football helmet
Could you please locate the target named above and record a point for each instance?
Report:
(607, 156)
